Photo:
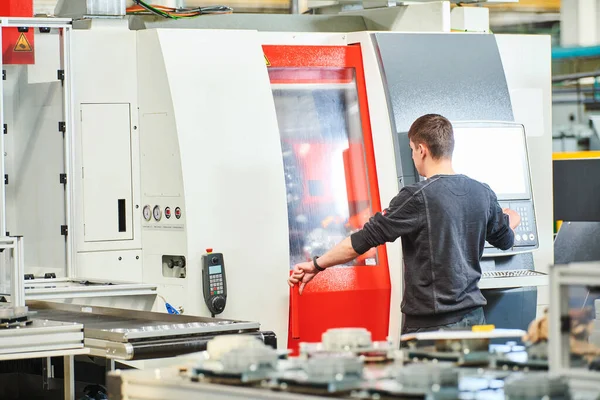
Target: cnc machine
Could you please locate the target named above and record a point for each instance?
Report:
(267, 148)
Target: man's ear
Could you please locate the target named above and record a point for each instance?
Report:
(423, 150)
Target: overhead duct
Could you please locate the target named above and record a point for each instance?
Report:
(78, 9)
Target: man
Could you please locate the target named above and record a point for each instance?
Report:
(444, 222)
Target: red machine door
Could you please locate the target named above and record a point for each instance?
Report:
(327, 149)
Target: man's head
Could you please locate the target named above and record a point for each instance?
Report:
(431, 140)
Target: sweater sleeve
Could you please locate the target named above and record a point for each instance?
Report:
(400, 218)
(499, 233)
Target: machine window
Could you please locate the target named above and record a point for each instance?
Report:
(324, 158)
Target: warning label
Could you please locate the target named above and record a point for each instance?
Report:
(267, 61)
(23, 44)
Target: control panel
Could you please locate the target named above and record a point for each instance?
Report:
(214, 283)
(525, 234)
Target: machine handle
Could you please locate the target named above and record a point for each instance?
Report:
(295, 309)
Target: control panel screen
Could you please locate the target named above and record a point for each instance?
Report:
(214, 269)
(496, 156)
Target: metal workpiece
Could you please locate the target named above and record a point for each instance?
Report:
(41, 335)
(61, 288)
(137, 335)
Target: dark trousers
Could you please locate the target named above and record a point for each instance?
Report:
(470, 319)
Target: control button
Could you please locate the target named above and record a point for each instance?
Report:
(215, 260)
(531, 236)
(177, 212)
(518, 238)
(209, 251)
(168, 212)
(524, 236)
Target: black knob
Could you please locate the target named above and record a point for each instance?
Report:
(218, 304)
(215, 260)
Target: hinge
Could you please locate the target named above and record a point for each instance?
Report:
(49, 275)
(62, 127)
(45, 29)
(23, 29)
(64, 230)
(61, 74)
(63, 179)
(29, 277)
(6, 179)
(5, 129)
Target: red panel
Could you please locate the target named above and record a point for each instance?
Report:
(340, 297)
(17, 47)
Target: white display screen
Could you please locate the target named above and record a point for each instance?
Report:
(214, 269)
(496, 156)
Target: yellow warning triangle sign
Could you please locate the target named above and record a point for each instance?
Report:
(23, 44)
(267, 61)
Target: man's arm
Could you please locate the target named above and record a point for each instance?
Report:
(501, 226)
(400, 218)
(342, 253)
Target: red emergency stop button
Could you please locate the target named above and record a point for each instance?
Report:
(168, 212)
(177, 212)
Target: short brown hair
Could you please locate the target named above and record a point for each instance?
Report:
(436, 133)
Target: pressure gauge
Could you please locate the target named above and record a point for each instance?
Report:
(147, 212)
(157, 213)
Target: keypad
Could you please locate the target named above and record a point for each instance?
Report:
(525, 232)
(216, 284)
(525, 226)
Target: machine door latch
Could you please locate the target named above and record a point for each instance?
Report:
(63, 179)
(64, 230)
(6, 179)
(5, 129)
(61, 74)
(62, 126)
(3, 74)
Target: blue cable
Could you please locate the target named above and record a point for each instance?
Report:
(171, 309)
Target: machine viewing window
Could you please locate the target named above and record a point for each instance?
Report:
(496, 156)
(324, 158)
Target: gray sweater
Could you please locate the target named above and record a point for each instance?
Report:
(444, 223)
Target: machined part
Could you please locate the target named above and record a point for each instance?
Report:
(536, 386)
(427, 376)
(222, 345)
(250, 359)
(462, 345)
(10, 312)
(336, 367)
(346, 339)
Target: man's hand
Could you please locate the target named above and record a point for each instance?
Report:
(514, 219)
(302, 274)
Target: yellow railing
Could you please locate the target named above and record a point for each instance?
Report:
(575, 155)
(528, 5)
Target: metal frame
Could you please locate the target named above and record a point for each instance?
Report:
(65, 26)
(17, 285)
(561, 276)
(40, 289)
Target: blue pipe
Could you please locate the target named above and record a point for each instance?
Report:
(561, 53)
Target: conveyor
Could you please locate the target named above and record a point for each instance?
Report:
(138, 335)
